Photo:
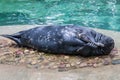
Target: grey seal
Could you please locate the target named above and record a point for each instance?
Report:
(68, 39)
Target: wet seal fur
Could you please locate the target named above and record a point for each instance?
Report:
(69, 39)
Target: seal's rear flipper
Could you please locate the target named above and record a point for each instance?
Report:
(15, 37)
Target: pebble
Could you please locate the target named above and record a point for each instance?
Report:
(83, 65)
(106, 61)
(41, 58)
(97, 58)
(117, 61)
(1, 46)
(6, 50)
(116, 57)
(42, 67)
(41, 53)
(22, 61)
(90, 61)
(49, 59)
(61, 67)
(52, 64)
(26, 51)
(29, 66)
(90, 64)
(66, 57)
(68, 65)
(99, 64)
(72, 64)
(2, 57)
(31, 52)
(95, 65)
(78, 63)
(33, 62)
(11, 59)
(18, 53)
(28, 60)
(6, 53)
(55, 66)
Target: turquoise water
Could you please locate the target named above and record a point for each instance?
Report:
(103, 14)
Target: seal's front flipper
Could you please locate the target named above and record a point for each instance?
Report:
(85, 50)
(15, 37)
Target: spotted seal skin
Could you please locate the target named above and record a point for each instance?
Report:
(67, 39)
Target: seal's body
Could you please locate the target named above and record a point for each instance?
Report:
(68, 39)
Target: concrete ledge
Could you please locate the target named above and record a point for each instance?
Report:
(8, 72)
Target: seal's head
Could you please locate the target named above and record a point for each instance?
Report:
(96, 44)
(108, 44)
